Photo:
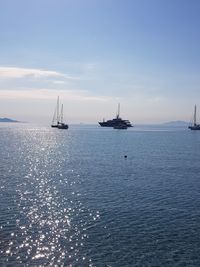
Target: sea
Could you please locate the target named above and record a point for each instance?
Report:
(92, 196)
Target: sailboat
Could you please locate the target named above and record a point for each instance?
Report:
(61, 124)
(195, 126)
(57, 121)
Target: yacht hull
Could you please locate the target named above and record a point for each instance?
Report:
(63, 126)
(194, 128)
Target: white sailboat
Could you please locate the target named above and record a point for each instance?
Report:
(195, 126)
(61, 124)
(57, 121)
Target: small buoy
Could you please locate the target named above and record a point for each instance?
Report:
(125, 156)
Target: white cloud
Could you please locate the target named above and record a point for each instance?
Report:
(15, 72)
(50, 94)
(58, 82)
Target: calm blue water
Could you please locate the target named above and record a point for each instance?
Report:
(70, 198)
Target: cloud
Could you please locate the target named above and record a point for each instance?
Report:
(50, 94)
(15, 72)
(58, 82)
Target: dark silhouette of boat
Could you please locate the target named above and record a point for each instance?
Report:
(63, 126)
(117, 122)
(195, 126)
(120, 127)
(58, 118)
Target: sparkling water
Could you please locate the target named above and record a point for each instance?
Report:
(72, 198)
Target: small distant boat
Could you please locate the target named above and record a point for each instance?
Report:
(58, 118)
(116, 122)
(195, 126)
(55, 120)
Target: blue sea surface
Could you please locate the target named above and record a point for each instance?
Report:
(71, 198)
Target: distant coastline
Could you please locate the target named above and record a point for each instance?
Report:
(170, 123)
(8, 120)
(176, 123)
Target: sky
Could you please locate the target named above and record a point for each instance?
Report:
(95, 54)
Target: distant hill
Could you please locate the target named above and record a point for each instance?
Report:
(176, 123)
(7, 120)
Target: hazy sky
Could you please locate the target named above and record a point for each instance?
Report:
(144, 54)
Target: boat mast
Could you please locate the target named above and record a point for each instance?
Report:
(118, 110)
(58, 110)
(195, 115)
(61, 114)
(54, 117)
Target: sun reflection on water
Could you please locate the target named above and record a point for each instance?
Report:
(50, 226)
